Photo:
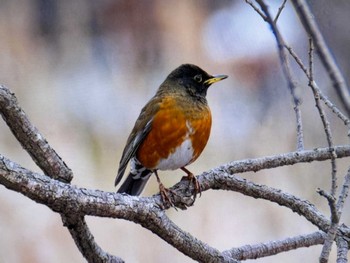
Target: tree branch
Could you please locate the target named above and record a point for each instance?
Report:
(332, 231)
(291, 158)
(31, 139)
(323, 52)
(53, 166)
(280, 11)
(276, 247)
(73, 203)
(85, 241)
(77, 202)
(287, 72)
(324, 120)
(328, 103)
(342, 250)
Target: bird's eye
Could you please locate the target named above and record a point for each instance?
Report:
(198, 78)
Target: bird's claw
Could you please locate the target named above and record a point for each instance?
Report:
(193, 180)
(164, 193)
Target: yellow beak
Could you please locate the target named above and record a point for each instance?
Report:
(214, 79)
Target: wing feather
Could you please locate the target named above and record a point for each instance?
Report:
(138, 134)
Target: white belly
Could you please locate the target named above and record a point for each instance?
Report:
(180, 158)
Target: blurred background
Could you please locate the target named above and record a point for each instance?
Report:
(82, 71)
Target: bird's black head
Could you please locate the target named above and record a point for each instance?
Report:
(194, 79)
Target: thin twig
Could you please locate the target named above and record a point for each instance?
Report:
(332, 204)
(249, 2)
(331, 200)
(287, 73)
(323, 52)
(342, 244)
(328, 103)
(332, 107)
(324, 120)
(336, 211)
(344, 193)
(332, 231)
(280, 11)
(297, 60)
(326, 249)
(311, 60)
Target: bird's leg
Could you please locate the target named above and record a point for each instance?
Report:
(164, 192)
(192, 179)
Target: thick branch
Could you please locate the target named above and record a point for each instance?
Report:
(77, 202)
(31, 139)
(52, 165)
(67, 199)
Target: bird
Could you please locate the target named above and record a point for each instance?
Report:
(171, 131)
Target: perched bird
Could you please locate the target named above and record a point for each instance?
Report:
(170, 132)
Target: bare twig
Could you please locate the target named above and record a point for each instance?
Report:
(276, 247)
(332, 204)
(249, 2)
(297, 60)
(323, 52)
(300, 133)
(280, 11)
(287, 73)
(344, 193)
(331, 106)
(327, 246)
(324, 120)
(328, 103)
(326, 249)
(336, 211)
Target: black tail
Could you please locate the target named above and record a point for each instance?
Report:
(134, 185)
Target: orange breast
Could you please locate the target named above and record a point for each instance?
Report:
(170, 127)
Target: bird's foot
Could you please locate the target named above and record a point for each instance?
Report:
(193, 180)
(165, 195)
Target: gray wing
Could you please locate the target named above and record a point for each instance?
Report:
(138, 134)
(130, 149)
